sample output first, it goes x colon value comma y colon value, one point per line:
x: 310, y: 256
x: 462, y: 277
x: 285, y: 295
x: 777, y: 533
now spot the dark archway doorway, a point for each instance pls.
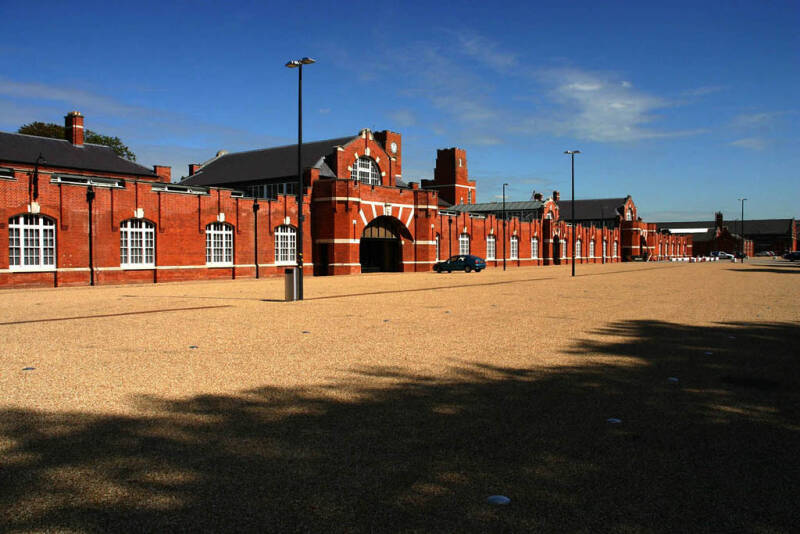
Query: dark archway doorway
x: 380, y: 250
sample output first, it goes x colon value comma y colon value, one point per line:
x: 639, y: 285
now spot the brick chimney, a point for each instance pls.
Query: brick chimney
x: 556, y: 196
x: 163, y: 172
x: 718, y: 221
x: 73, y: 128
x: 537, y: 196
x: 194, y: 167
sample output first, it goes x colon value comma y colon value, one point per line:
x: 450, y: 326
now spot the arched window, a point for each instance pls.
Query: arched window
x: 563, y: 248
x: 137, y: 244
x: 616, y: 249
x: 659, y: 249
x: 491, y: 247
x: 629, y: 214
x: 285, y: 245
x: 578, y: 248
x: 219, y: 244
x: 514, y: 247
x: 534, y: 248
x: 605, y: 248
x: 31, y: 243
x: 438, y: 246
x: 365, y: 170
x: 549, y: 215
x: 591, y: 248
x: 463, y: 244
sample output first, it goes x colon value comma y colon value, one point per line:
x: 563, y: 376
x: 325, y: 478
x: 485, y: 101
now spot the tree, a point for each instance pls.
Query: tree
x: 49, y: 129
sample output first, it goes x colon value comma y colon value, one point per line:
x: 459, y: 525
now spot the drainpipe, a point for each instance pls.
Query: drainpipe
x: 90, y: 201
x: 255, y: 232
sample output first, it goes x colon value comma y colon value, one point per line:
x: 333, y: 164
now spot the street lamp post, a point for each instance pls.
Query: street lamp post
x: 572, y: 216
x: 298, y: 63
x: 504, y: 226
x: 741, y: 226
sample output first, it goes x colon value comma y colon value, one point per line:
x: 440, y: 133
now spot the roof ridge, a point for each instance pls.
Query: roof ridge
x: 282, y: 146
x: 36, y: 136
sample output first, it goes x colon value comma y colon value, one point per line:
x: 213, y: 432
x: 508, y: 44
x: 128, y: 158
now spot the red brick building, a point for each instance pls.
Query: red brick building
x: 73, y: 213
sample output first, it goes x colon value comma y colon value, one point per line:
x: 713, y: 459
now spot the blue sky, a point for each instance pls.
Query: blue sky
x: 684, y: 106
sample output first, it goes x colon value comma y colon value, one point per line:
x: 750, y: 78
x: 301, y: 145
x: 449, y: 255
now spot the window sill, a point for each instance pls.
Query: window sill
x: 137, y: 267
x: 219, y: 265
x: 31, y: 269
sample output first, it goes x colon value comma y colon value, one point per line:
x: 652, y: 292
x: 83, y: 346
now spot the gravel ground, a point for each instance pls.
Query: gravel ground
x: 400, y: 402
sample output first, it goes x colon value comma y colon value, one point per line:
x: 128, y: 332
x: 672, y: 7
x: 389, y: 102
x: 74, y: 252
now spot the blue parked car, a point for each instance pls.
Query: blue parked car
x: 462, y: 262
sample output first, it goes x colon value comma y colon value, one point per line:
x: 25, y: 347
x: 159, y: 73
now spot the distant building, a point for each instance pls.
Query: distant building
x: 775, y: 235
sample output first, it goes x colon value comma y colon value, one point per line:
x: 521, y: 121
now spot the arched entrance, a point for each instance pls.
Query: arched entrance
x: 380, y: 249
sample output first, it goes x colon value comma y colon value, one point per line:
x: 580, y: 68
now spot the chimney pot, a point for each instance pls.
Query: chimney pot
x: 556, y: 196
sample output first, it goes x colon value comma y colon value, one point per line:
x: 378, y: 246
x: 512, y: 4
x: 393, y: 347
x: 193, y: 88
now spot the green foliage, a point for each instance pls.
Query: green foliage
x: 48, y: 129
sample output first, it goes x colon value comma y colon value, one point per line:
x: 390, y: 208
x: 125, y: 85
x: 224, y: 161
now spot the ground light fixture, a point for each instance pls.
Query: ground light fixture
x: 298, y: 63
x: 572, y: 216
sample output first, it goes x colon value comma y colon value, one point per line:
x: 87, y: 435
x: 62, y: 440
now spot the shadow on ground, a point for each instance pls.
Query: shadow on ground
x: 714, y: 451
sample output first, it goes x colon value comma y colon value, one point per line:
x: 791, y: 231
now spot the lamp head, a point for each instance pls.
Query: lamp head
x: 572, y: 152
x: 297, y: 62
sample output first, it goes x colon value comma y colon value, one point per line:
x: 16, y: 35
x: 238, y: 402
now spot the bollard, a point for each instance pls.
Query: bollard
x: 291, y: 284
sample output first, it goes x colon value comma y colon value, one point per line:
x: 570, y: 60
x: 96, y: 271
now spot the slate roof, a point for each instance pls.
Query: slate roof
x: 592, y: 209
x: 266, y: 163
x: 751, y: 227
x: 21, y: 148
x: 497, y: 207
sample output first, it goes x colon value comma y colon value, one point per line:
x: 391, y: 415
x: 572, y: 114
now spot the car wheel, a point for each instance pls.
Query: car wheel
x: 467, y: 269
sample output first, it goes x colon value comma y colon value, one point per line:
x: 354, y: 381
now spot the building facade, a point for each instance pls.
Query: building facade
x: 76, y: 214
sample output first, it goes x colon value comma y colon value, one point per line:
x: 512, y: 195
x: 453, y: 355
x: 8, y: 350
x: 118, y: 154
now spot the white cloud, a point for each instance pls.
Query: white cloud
x: 597, y: 107
x: 72, y: 98
x: 403, y: 117
x: 752, y: 143
x: 486, y: 51
x: 751, y: 120
x: 704, y: 90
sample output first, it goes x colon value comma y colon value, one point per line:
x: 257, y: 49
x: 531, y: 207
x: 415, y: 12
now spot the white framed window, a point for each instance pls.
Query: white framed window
x: 563, y: 246
x: 591, y: 248
x: 514, y: 247
x: 365, y: 170
x: 535, y: 248
x: 469, y: 196
x: 31, y: 243
x: 605, y: 248
x: 491, y: 248
x: 219, y: 244
x: 137, y: 244
x: 463, y: 244
x: 616, y: 249
x: 659, y: 249
x: 629, y: 214
x: 285, y: 245
x: 578, y: 248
